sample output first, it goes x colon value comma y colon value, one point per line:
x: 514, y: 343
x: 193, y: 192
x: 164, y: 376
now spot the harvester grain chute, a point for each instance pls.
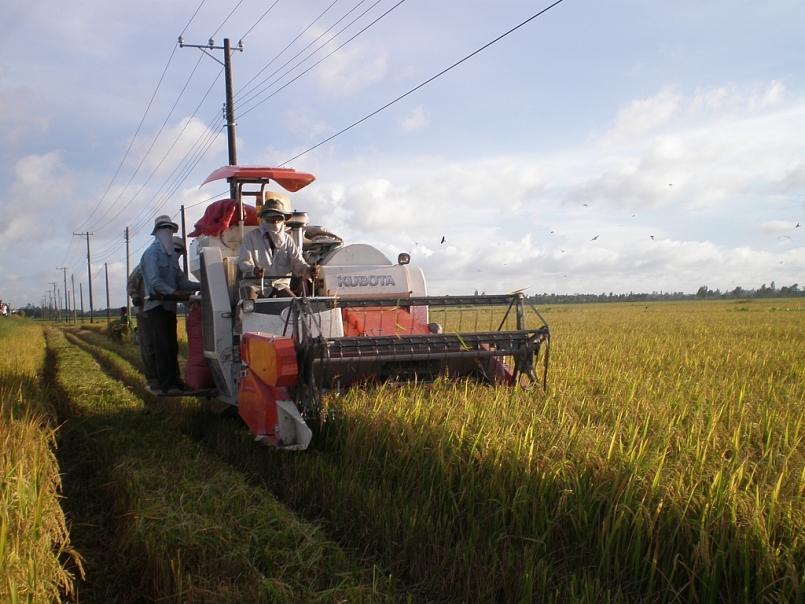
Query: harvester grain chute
x: 365, y: 320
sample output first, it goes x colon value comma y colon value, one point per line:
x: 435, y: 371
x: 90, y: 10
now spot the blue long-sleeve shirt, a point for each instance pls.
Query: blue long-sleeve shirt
x: 162, y: 275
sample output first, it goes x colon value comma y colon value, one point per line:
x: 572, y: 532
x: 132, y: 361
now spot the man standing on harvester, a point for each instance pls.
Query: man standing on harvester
x: 268, y: 252
x: 164, y: 286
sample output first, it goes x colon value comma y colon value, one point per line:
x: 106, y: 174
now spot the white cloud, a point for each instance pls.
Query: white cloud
x: 794, y: 178
x: 644, y: 115
x: 738, y: 147
x: 299, y: 122
x: 161, y: 152
x: 42, y: 185
x: 19, y: 122
x: 774, y: 95
x: 415, y: 120
x: 354, y: 67
x: 515, y: 221
x: 778, y: 227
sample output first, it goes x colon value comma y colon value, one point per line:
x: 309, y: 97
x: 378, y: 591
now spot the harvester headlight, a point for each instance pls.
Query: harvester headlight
x: 248, y: 306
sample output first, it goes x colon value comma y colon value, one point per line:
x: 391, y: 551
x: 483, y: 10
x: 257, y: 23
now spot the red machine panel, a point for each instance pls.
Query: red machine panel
x: 380, y: 322
x: 271, y: 358
x: 257, y: 405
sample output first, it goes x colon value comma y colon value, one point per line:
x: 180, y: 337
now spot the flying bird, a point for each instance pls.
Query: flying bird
x: 585, y: 205
x: 594, y: 238
x: 652, y: 236
x: 442, y: 238
x: 798, y: 225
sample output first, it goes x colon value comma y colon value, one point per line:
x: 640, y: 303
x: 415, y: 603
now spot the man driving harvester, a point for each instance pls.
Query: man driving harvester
x: 269, y: 256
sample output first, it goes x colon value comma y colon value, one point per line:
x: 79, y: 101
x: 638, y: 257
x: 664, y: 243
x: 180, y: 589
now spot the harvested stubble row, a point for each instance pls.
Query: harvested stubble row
x: 34, y: 542
x: 186, y: 526
x: 665, y: 464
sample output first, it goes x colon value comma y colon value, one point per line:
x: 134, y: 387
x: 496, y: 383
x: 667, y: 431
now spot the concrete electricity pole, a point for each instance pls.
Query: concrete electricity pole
x: 184, y: 244
x: 229, y: 107
x: 56, y: 300
x: 108, y: 304
x: 66, y: 298
x: 89, y: 276
x: 128, y: 269
x: 72, y: 281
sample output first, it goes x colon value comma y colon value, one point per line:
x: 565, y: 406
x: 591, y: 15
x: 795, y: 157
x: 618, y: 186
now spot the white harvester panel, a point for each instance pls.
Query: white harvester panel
x: 271, y: 316
x: 363, y: 271
x: 217, y: 324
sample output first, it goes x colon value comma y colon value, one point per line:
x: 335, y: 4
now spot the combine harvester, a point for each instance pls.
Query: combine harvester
x: 365, y: 320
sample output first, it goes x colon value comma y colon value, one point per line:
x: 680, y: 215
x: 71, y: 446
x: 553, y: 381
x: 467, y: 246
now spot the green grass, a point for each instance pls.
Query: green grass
x: 177, y: 524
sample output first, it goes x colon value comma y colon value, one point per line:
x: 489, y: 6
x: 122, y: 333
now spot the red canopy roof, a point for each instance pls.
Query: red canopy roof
x: 288, y: 178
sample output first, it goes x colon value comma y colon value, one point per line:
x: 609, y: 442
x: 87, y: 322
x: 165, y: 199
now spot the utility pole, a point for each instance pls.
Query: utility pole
x: 184, y: 243
x: 229, y: 107
x: 89, y: 274
x: 108, y: 309
x: 55, y: 299
x: 81, y: 294
x: 66, y: 299
x: 72, y: 280
x: 128, y: 270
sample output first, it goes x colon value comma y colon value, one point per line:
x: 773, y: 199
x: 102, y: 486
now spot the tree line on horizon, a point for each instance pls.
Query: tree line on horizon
x: 703, y: 293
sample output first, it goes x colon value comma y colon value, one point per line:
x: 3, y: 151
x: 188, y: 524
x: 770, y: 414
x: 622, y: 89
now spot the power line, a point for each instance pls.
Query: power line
x: 287, y: 46
x: 191, y: 19
x: 139, y: 126
x: 325, y: 57
x: 110, y: 247
x: 210, y: 136
x: 321, y: 47
x: 225, y: 20
x: 150, y: 148
x: 164, y: 157
x: 131, y: 143
x: 243, y: 37
x: 428, y: 81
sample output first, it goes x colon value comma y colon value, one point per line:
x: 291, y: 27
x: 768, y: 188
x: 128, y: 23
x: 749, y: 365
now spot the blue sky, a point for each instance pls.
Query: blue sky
x: 616, y: 145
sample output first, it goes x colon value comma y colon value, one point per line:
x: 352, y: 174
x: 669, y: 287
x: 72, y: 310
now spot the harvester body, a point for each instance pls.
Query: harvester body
x: 366, y: 320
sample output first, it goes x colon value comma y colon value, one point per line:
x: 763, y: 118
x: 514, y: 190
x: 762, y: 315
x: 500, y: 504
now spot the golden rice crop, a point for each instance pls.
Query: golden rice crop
x: 665, y: 463
x: 34, y: 542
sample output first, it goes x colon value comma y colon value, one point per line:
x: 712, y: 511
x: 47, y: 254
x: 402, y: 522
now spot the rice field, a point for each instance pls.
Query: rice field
x: 35, y: 546
x: 665, y: 463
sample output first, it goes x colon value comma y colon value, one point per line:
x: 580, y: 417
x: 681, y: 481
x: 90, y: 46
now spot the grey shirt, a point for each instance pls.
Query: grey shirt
x: 285, y: 259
